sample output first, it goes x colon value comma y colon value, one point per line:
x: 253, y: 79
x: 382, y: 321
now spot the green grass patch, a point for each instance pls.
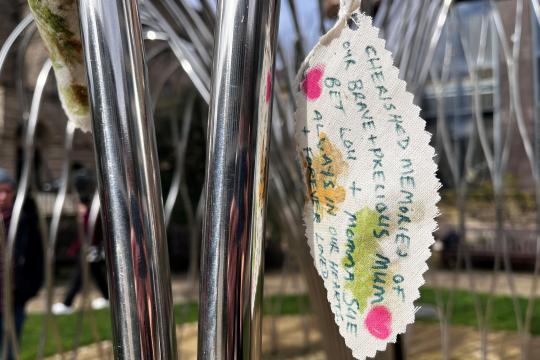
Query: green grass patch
x: 463, y: 313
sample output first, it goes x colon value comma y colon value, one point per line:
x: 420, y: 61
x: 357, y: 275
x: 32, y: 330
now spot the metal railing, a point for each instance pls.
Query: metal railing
x: 437, y: 55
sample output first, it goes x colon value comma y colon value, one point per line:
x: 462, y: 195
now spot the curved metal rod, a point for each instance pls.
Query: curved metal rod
x: 442, y: 129
x: 178, y: 186
x: 444, y: 307
x: 209, y: 14
x: 472, y: 66
x: 182, y: 19
x: 160, y: 82
x: 502, y: 146
x: 201, y: 31
x: 422, y: 42
x: 19, y: 66
x: 534, y: 286
x: 416, y: 22
x: 514, y: 88
x: 460, y: 180
x: 516, y: 106
x: 536, y: 9
x: 436, y: 34
x: 84, y: 269
x: 195, y: 234
x: 205, y: 30
x: 287, y: 144
x: 155, y: 51
x: 10, y: 41
x: 397, y: 14
x: 398, y: 29
x: 194, y: 221
x: 194, y: 230
x: 53, y: 234
x: 188, y: 60
x: 180, y: 146
x: 400, y: 37
x: 495, y: 170
x: 380, y: 17
x: 513, y: 70
x: 298, y: 32
x: 20, y: 199
x: 499, y: 200
x: 87, y: 235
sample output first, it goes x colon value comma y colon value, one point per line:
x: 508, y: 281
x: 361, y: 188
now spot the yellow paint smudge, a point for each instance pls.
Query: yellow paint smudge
x: 322, y: 174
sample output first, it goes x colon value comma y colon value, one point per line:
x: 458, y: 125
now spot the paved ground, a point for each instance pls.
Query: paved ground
x: 184, y: 289
x: 289, y: 344
x: 291, y: 341
x: 422, y: 342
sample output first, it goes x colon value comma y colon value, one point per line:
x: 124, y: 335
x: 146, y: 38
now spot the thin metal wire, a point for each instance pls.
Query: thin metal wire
x: 87, y: 235
x: 188, y: 59
x: 180, y: 145
x: 22, y: 192
x: 50, y: 250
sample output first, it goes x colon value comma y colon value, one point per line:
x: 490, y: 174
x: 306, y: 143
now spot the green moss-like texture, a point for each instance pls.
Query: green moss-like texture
x: 361, y: 256
x: 63, y: 43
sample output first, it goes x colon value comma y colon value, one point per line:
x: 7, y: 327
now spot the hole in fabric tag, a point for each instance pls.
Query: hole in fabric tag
x: 352, y: 21
x: 370, y: 184
x: 352, y: 24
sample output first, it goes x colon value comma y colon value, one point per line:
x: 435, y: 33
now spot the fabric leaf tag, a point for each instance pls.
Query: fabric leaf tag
x: 371, y: 189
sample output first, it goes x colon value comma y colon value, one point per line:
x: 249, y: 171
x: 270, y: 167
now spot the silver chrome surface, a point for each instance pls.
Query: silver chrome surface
x: 233, y: 230
x: 415, y: 31
x: 129, y: 181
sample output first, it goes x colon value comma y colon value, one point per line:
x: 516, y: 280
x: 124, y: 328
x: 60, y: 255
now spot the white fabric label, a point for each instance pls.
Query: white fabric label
x: 371, y: 189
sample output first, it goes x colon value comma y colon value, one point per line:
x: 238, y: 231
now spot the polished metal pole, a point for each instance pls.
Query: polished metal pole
x: 233, y: 232
x: 129, y: 181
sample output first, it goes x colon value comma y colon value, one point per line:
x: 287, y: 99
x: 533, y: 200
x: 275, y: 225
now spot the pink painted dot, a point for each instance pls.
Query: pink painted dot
x: 268, y: 86
x: 379, y: 322
x: 311, y: 86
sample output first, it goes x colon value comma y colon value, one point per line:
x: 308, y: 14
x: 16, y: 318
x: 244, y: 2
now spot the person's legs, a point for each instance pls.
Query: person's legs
x: 74, y: 288
x: 20, y: 317
x: 96, y: 268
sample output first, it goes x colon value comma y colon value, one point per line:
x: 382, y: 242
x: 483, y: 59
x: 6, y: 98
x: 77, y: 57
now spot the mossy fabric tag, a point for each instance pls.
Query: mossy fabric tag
x: 371, y: 189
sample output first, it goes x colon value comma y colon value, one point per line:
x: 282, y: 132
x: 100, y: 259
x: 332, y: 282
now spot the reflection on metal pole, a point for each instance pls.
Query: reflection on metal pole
x: 240, y: 113
x: 130, y: 191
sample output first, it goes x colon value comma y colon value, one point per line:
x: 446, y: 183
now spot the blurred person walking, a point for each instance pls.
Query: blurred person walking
x: 95, y: 255
x: 28, y: 253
